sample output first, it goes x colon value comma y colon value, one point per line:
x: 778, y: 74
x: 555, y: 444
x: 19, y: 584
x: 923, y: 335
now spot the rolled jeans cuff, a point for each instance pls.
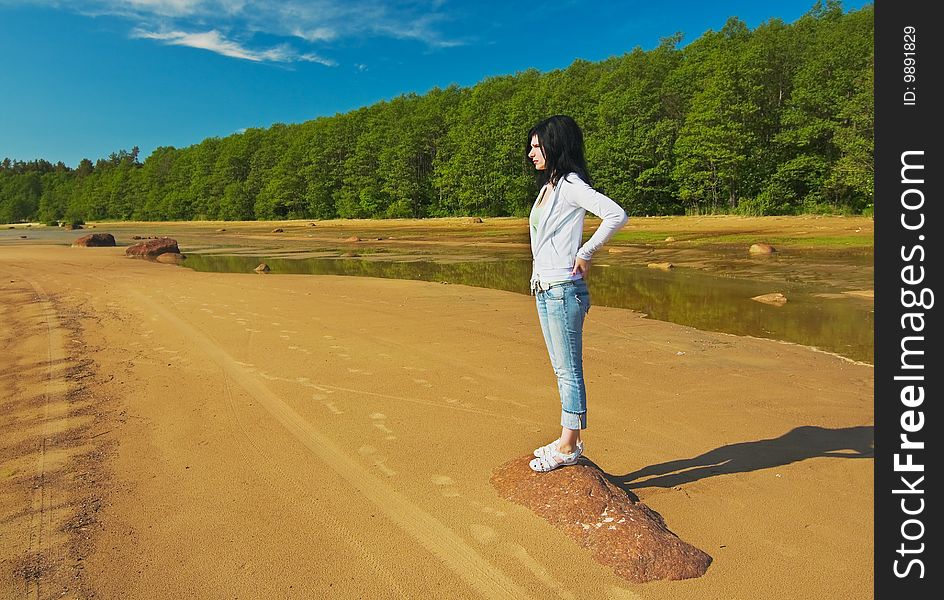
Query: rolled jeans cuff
x: 573, y: 420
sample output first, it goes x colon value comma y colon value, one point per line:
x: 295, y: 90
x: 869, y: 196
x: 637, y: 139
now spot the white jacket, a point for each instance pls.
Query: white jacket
x: 556, y: 243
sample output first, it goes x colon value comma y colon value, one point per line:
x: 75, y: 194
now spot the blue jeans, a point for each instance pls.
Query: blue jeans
x: 561, y: 310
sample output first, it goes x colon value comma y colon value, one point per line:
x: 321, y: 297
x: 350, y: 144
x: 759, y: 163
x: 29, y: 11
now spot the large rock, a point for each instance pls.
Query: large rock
x: 153, y: 248
x: 625, y: 535
x: 95, y: 240
x: 663, y: 266
x: 761, y: 249
x: 774, y: 299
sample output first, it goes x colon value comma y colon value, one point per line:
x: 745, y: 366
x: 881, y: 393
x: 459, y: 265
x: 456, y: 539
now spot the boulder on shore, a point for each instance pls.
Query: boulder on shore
x: 662, y: 266
x: 153, y: 248
x: 262, y: 268
x: 761, y: 249
x: 95, y: 240
x: 775, y: 299
x: 622, y: 533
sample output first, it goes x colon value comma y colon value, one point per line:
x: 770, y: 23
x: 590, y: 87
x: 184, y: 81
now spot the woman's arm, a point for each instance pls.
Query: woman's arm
x: 613, y: 215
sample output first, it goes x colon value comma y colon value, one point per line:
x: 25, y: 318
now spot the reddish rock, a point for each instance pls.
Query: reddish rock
x: 353, y: 238
x: 627, y: 536
x: 95, y: 240
x: 153, y: 248
x: 761, y: 249
x: 171, y: 258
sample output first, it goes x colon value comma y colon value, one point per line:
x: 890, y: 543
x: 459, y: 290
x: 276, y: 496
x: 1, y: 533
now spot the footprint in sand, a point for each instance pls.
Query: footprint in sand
x: 380, y: 463
x: 469, y: 379
x: 358, y: 371
x: 446, y: 486
x: 366, y: 450
x: 483, y: 534
x: 251, y: 330
x: 380, y: 423
x: 334, y: 409
x: 411, y: 368
x: 486, y: 509
x: 423, y: 383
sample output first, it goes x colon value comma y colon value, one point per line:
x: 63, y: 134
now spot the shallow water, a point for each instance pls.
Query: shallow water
x: 711, y: 289
x: 840, y: 324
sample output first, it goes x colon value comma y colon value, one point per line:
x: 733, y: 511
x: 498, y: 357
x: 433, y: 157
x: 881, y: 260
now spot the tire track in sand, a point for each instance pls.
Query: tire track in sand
x: 40, y: 522
x: 436, y: 537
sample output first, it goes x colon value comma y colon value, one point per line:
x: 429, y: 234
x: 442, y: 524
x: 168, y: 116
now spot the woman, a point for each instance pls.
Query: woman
x: 560, y: 267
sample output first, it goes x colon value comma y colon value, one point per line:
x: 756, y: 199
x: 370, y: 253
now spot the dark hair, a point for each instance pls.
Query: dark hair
x: 562, y: 145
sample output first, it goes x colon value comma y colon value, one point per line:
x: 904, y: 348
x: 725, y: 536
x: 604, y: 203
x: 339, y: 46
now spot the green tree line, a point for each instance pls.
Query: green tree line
x: 775, y: 120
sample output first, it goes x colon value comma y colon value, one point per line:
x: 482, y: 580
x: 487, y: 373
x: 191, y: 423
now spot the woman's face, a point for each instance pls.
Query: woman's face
x: 537, y: 155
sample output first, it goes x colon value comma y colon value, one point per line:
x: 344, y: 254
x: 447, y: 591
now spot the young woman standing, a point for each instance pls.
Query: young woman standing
x: 561, y: 263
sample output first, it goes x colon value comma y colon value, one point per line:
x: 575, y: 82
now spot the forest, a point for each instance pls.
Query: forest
x: 777, y: 120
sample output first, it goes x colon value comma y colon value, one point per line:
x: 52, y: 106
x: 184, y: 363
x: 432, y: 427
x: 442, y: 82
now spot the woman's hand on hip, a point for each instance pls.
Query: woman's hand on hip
x: 581, y: 267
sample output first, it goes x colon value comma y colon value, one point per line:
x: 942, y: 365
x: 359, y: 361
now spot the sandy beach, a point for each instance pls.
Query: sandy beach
x: 168, y: 433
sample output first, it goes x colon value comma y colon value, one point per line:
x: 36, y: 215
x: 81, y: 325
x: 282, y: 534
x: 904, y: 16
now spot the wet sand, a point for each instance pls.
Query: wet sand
x: 170, y: 433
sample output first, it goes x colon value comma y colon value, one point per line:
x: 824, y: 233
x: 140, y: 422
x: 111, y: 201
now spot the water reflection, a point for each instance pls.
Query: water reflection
x: 843, y: 325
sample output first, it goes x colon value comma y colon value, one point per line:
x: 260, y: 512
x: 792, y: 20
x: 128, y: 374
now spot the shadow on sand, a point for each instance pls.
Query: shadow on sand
x: 797, y: 444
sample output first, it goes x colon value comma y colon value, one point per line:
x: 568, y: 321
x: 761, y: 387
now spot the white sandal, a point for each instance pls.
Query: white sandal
x: 554, y: 459
x: 539, y: 452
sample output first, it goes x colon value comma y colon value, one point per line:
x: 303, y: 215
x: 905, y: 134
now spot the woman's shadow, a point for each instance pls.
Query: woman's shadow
x: 798, y: 444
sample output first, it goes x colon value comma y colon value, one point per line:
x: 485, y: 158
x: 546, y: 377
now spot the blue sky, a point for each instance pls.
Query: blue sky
x: 84, y: 79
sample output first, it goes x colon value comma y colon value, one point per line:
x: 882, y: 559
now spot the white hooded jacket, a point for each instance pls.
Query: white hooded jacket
x: 556, y: 243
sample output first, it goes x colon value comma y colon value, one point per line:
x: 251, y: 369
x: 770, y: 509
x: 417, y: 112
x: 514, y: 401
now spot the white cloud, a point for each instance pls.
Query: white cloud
x: 216, y: 42
x: 230, y: 27
x: 318, y: 34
